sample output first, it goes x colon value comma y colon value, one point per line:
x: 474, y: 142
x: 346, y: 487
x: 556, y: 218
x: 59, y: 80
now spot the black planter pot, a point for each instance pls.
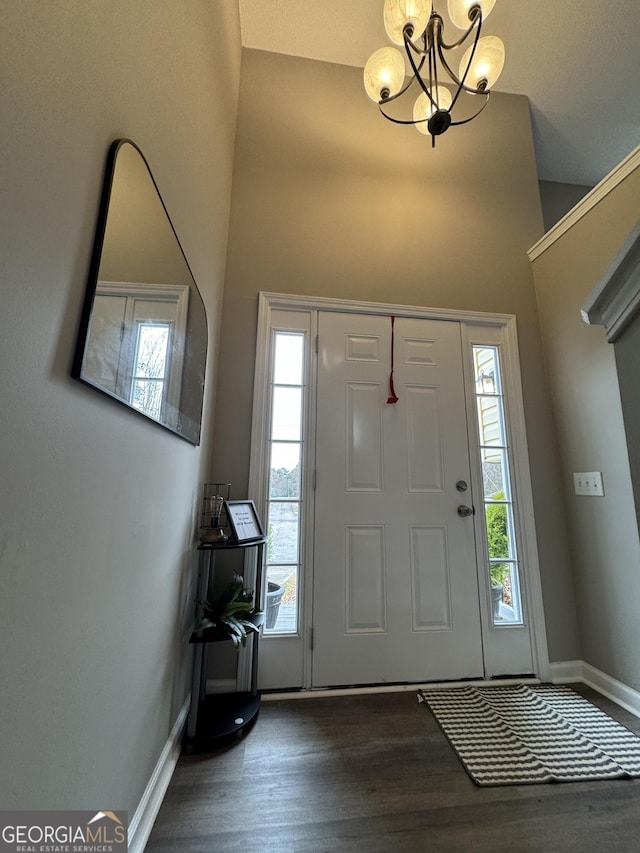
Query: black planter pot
x: 497, y: 593
x: 274, y: 597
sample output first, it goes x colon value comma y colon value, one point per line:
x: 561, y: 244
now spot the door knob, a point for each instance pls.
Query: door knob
x: 465, y: 511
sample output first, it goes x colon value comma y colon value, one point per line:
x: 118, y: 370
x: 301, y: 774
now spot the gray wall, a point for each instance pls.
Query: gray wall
x: 627, y: 352
x: 329, y: 199
x: 586, y: 400
x: 98, y: 507
x: 557, y: 200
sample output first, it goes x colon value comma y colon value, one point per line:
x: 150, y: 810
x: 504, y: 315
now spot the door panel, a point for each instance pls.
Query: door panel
x: 431, y: 588
x: 395, y: 581
x: 424, y: 451
x: 365, y: 604
x: 363, y: 438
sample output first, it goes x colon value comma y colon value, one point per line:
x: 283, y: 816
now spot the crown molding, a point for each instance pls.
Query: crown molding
x: 630, y: 163
x: 615, y: 300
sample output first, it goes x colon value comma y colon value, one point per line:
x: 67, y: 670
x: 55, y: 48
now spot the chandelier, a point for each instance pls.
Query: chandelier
x: 417, y: 26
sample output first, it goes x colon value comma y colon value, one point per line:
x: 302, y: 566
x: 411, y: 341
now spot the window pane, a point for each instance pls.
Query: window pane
x: 281, y: 606
x: 289, y: 359
x: 287, y: 408
x: 498, y: 530
x: 505, y: 595
x: 284, y: 477
x: 146, y: 396
x: 282, y: 532
x: 494, y: 470
x: 151, y: 353
x: 487, y: 375
x: 490, y: 425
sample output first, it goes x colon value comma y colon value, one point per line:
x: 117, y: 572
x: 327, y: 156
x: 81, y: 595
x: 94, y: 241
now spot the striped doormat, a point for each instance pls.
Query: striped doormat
x: 521, y: 735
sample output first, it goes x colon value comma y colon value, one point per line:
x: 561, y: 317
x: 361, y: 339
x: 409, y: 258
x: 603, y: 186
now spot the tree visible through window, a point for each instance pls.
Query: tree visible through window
x: 150, y: 368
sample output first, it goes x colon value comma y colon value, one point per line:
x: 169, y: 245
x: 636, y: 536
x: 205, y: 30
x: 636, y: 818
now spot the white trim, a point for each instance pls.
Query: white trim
x: 294, y: 648
x: 577, y: 670
x: 620, y: 693
x: 289, y: 302
x: 602, y: 189
x: 257, y: 486
x: 149, y: 805
x: 393, y: 688
x: 615, y: 300
x: 305, y: 625
x: 566, y: 672
x: 524, y: 506
x: 560, y: 672
x: 520, y: 647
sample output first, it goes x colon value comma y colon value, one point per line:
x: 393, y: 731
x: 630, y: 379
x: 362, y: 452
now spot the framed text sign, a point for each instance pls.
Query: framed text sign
x: 244, y: 521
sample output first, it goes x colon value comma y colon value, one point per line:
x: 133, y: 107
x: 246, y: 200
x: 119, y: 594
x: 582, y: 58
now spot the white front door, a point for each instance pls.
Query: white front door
x: 395, y: 594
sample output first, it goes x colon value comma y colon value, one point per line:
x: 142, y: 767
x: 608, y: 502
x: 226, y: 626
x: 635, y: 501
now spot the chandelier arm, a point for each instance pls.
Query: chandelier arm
x: 427, y: 40
x: 476, y: 114
x: 433, y: 70
x: 477, y: 19
x: 432, y: 66
x: 460, y: 83
x: 416, y: 69
x: 398, y: 120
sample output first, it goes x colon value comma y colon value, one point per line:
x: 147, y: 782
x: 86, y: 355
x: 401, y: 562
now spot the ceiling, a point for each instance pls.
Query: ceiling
x: 576, y: 60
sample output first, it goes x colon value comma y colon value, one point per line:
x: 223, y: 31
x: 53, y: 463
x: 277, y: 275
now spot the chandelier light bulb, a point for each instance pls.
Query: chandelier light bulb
x: 423, y: 109
x: 459, y: 11
x: 487, y: 64
x: 384, y: 74
x: 399, y: 13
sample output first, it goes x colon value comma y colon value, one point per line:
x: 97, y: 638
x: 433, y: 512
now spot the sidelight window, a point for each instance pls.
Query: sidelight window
x: 498, y: 508
x: 284, y: 502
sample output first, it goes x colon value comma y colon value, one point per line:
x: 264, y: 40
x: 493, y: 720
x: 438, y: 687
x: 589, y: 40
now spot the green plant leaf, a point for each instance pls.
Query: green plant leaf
x: 230, y: 611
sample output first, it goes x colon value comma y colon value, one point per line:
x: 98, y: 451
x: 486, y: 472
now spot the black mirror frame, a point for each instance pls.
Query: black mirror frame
x: 92, y: 283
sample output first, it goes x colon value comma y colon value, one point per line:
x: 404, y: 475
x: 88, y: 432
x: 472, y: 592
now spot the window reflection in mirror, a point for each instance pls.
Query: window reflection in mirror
x: 143, y: 338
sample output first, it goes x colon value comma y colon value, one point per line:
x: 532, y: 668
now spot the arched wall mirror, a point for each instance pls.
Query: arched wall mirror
x: 143, y: 334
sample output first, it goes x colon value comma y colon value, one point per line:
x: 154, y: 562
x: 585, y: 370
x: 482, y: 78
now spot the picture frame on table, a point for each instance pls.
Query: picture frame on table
x: 244, y: 521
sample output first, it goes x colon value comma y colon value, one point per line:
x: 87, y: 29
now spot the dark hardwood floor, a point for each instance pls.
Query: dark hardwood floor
x: 374, y: 773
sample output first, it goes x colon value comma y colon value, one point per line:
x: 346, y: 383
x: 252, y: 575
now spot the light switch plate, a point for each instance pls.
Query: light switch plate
x: 588, y: 483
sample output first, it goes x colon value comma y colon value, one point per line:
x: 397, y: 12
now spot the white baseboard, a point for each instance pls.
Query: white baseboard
x: 561, y: 672
x: 618, y: 692
x: 391, y: 688
x: 149, y: 806
x: 566, y: 672
x: 578, y: 670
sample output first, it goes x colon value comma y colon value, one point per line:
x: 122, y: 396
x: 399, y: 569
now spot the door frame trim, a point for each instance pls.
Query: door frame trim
x: 268, y: 302
x: 292, y: 302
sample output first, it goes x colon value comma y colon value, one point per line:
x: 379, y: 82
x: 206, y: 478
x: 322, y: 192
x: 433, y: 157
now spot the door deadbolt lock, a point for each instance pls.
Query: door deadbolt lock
x: 462, y: 486
x: 465, y: 511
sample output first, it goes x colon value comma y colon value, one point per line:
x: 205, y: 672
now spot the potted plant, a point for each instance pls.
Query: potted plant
x: 230, y: 614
